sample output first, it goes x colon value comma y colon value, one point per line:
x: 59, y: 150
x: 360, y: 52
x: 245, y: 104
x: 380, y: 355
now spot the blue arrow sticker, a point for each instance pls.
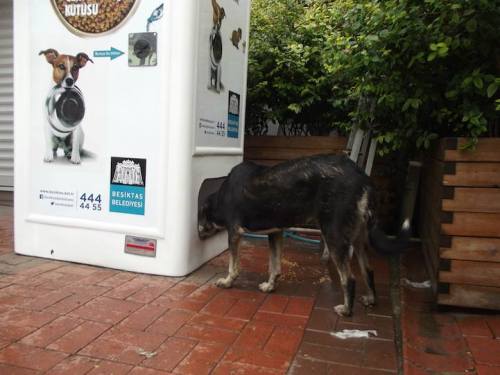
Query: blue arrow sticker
x: 113, y: 53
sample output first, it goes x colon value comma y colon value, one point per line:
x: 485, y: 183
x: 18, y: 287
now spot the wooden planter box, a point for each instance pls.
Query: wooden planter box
x: 460, y: 223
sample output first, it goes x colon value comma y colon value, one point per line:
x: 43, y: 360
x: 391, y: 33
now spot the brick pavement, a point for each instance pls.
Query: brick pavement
x: 441, y: 340
x: 64, y: 318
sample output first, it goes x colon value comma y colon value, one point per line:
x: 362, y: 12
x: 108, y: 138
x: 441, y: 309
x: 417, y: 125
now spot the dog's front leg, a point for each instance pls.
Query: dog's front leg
x: 234, y: 260
x: 275, y: 244
x: 76, y: 145
x: 50, y: 146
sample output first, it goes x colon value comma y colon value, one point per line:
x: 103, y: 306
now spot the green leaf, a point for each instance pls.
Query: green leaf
x: 492, y: 89
x: 471, y: 25
x: 478, y: 82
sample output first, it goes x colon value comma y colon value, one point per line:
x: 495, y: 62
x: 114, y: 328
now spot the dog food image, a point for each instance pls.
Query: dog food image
x: 93, y: 16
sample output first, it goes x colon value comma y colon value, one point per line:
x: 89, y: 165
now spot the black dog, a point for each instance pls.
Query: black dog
x: 328, y: 190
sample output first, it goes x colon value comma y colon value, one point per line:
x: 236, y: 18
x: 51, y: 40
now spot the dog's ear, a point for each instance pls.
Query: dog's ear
x: 50, y: 55
x: 82, y: 58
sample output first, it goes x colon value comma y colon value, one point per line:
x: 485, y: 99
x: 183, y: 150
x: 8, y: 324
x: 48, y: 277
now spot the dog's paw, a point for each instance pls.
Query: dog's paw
x: 224, y: 283
x: 266, y: 287
x: 367, y: 301
x: 342, y: 310
x: 75, y: 159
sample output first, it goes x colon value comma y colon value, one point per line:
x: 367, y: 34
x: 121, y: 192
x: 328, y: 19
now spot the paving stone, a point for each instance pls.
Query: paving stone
x: 205, y: 333
x: 202, y: 359
x: 51, y: 332
x: 485, y: 350
x: 106, y: 310
x: 220, y: 305
x: 233, y: 368
x: 74, y: 365
x: 299, y: 306
x: 143, y: 317
x: 260, y: 358
x: 302, y: 366
x: 218, y: 321
x: 147, y: 371
x: 107, y: 368
x: 79, y: 337
x: 243, y: 309
x: 281, y: 319
x: 123, y: 345
x: 255, y: 335
x: 274, y: 303
x: 170, y: 322
x: 170, y: 354
x: 14, y: 370
x: 30, y: 357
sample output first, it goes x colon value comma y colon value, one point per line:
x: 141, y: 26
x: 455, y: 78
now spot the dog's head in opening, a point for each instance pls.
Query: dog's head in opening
x: 66, y: 68
x: 206, y: 218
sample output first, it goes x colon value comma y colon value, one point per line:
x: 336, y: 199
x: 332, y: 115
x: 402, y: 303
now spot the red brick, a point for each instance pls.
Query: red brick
x: 326, y: 339
x: 143, y: 317
x: 30, y: 357
x: 202, y: 359
x: 181, y: 290
x: 13, y: 370
x: 243, y: 294
x: 106, y: 310
x: 11, y: 333
x: 147, y: 371
x: 494, y: 324
x: 281, y: 319
x: 182, y: 304
x: 485, y: 351
x: 438, y: 362
x: 170, y: 322
x: 127, y: 289
x: 474, y: 326
x: 299, y: 306
x: 79, y: 337
x: 149, y: 293
x: 243, y: 309
x: 303, y: 366
x: 210, y: 334
x: 123, y: 345
x: 322, y: 320
x: 170, y: 354
x: 380, y: 355
x: 107, y: 368
x: 330, y: 354
x: 261, y: 358
x: 22, y: 318
x: 205, y: 293
x: 284, y: 340
x: 218, y: 321
x: 219, y: 305
x: 487, y: 370
x: 68, y: 304
x: 233, y: 368
x: 81, y: 270
x: 255, y: 335
x: 74, y: 365
x: 116, y: 280
x: 274, y: 303
x: 51, y: 332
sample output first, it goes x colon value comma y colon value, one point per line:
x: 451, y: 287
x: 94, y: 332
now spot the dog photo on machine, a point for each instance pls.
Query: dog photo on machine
x: 64, y: 107
x: 330, y: 191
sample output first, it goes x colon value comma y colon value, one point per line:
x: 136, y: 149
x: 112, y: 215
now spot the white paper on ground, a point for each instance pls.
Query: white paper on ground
x: 414, y: 284
x: 354, y: 333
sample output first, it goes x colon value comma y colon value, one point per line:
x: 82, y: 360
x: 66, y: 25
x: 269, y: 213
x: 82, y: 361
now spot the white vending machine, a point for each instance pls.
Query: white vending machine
x: 127, y: 112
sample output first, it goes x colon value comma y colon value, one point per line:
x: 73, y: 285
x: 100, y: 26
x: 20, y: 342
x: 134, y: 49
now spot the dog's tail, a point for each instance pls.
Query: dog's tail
x: 386, y: 245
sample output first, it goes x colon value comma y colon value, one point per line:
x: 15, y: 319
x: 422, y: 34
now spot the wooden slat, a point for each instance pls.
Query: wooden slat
x: 473, y: 200
x: 471, y: 296
x: 472, y: 273
x: 473, y: 224
x: 474, y: 175
x: 473, y: 248
x: 486, y: 150
x: 314, y: 142
x: 281, y: 153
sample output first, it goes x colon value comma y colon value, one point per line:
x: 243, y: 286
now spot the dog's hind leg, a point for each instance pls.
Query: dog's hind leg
x: 234, y: 261
x: 341, y: 253
x: 366, y: 271
x: 275, y: 246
